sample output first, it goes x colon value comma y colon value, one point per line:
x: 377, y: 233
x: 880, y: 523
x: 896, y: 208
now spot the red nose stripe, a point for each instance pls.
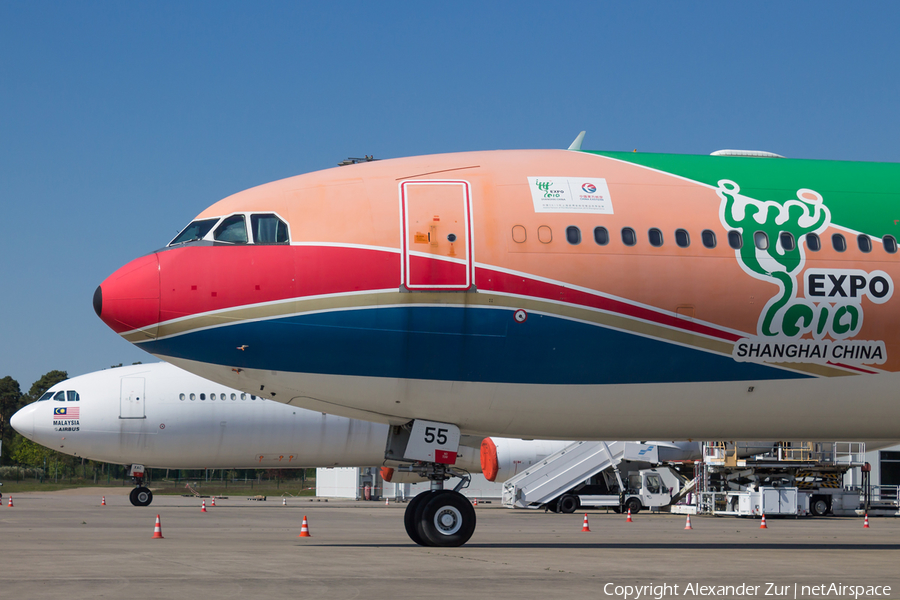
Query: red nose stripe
x: 131, y: 296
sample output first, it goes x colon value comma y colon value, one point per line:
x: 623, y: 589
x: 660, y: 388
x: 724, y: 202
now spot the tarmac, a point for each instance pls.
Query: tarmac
x: 66, y: 545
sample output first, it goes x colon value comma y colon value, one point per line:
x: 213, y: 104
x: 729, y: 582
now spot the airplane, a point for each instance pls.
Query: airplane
x: 160, y: 416
x: 557, y: 294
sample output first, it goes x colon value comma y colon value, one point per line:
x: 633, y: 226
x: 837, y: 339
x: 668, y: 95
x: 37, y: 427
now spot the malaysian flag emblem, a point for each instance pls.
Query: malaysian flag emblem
x: 65, y: 412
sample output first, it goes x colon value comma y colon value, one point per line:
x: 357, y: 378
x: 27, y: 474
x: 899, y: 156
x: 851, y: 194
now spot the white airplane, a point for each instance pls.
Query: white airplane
x: 160, y: 416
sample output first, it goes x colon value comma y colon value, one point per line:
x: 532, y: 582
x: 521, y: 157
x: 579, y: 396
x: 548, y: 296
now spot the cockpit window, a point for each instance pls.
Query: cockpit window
x: 195, y: 231
x: 232, y: 230
x: 72, y: 396
x: 46, y: 396
x: 59, y: 397
x: 269, y: 229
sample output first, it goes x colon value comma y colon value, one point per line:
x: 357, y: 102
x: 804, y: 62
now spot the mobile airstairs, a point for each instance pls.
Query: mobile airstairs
x: 569, y: 467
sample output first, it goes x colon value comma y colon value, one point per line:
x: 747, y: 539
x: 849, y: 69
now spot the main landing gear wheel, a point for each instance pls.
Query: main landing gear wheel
x: 141, y: 496
x: 409, y: 517
x: 446, y: 518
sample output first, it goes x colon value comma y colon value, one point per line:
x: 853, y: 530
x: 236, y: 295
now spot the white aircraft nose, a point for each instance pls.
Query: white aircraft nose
x: 23, y: 421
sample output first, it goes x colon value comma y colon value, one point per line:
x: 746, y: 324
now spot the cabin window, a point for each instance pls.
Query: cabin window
x: 656, y: 237
x: 212, y: 396
x: 203, y: 396
x: 545, y: 234
x: 196, y: 230
x: 709, y: 238
x: 787, y: 240
x: 629, y: 237
x: 864, y: 242
x: 735, y: 240
x: 181, y: 396
x: 890, y: 244
x: 761, y: 240
x: 682, y: 239
x: 233, y: 396
x: 252, y: 397
x: 519, y: 234
x: 573, y: 235
x: 193, y: 397
x: 233, y: 230
x: 838, y: 242
x: 813, y: 242
x: 243, y: 396
x: 601, y: 236
x: 269, y: 229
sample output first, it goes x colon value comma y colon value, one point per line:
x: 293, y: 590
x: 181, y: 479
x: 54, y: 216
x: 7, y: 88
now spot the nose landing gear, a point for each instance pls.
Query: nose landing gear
x: 139, y: 496
x: 440, y: 517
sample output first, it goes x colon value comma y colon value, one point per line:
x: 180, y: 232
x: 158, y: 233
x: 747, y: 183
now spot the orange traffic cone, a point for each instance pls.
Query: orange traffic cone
x: 585, y: 527
x: 688, y: 524
x: 387, y: 502
x: 628, y: 520
x: 10, y: 502
x: 475, y: 503
x: 214, y: 501
x: 157, y: 531
x: 763, y: 524
x: 103, y: 501
x: 866, y: 523
x: 203, y: 507
x: 304, y: 528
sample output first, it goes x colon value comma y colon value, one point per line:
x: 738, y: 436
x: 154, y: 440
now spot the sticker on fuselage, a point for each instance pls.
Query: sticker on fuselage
x: 66, y: 418
x: 820, y: 326
x: 570, y: 195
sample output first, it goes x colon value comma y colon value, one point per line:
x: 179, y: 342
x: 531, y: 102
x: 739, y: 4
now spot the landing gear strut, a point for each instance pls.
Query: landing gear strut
x: 139, y: 496
x: 439, y: 517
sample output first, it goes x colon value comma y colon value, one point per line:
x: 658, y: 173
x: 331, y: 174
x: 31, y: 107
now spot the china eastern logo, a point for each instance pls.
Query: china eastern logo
x: 589, y: 188
x: 818, y: 327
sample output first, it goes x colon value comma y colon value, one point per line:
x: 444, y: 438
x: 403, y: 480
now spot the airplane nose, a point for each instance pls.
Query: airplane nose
x: 23, y: 421
x: 128, y: 301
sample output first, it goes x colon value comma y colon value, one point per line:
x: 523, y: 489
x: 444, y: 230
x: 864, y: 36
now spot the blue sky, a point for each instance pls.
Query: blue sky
x: 120, y: 121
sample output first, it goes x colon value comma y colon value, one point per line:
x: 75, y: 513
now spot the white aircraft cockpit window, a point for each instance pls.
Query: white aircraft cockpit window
x: 735, y: 240
x: 196, y: 230
x: 59, y: 397
x: 233, y: 230
x: 761, y: 239
x: 46, y: 396
x: 864, y: 242
x: 890, y: 244
x: 72, y: 396
x: 682, y: 238
x: 709, y: 238
x: 813, y: 242
x: 181, y: 396
x: 269, y: 229
x: 656, y: 237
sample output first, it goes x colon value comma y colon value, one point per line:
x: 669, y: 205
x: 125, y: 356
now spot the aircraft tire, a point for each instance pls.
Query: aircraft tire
x: 409, y: 517
x: 141, y: 496
x: 447, y: 519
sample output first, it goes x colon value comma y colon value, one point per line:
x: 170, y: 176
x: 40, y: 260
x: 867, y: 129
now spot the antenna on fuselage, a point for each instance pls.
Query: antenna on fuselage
x: 576, y: 145
x: 354, y: 161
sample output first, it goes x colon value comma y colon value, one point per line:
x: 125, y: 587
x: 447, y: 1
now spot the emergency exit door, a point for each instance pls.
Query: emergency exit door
x: 437, y: 235
x: 131, y: 400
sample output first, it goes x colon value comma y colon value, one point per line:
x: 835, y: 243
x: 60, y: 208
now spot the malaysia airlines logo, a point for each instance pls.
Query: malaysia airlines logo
x: 66, y: 418
x: 66, y: 412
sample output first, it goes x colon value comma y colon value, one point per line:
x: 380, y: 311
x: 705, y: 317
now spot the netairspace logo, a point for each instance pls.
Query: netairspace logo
x: 794, y: 591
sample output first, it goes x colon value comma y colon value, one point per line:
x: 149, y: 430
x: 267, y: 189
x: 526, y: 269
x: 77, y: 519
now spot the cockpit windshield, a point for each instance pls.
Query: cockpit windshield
x: 195, y: 231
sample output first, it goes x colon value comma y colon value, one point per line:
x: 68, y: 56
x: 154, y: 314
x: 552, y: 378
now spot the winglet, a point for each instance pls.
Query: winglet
x: 576, y: 145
